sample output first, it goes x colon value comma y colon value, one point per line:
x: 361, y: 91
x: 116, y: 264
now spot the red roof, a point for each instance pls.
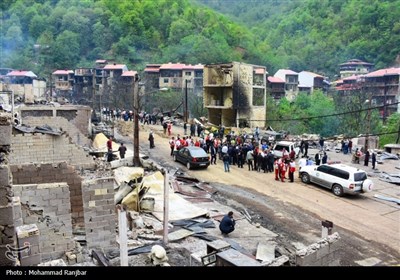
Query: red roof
x: 272, y: 79
x: 384, y: 72
x: 172, y: 66
x: 22, y: 73
x: 115, y: 67
x: 353, y: 77
x: 129, y: 74
x: 259, y: 70
x: 152, y: 69
x: 63, y: 72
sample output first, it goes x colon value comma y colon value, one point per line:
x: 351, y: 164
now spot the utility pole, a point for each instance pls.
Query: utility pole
x: 366, y: 146
x: 186, y: 102
x: 135, y: 87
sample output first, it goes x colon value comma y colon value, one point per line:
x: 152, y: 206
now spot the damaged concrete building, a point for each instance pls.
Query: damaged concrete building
x: 44, y: 195
x: 235, y: 94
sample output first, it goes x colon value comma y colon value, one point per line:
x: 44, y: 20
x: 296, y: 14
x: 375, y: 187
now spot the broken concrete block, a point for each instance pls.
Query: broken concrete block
x: 5, y: 135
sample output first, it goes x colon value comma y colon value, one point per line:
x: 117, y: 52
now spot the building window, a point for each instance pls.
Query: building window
x: 166, y: 81
x: 188, y: 73
x: 258, y: 97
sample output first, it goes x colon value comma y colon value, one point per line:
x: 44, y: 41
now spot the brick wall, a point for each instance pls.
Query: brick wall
x: 46, y: 148
x: 62, y: 123
x: 53, y: 173
x: 77, y: 115
x: 325, y: 252
x: 100, y: 215
x: 48, y: 206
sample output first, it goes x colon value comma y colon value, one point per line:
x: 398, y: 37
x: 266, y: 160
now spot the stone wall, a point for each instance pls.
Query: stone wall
x: 100, y: 215
x: 47, y: 148
x: 7, y: 227
x: 48, y: 206
x: 325, y: 252
x: 53, y: 173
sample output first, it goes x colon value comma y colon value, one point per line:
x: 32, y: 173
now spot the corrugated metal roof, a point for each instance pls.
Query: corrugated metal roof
x: 63, y: 72
x: 22, y: 73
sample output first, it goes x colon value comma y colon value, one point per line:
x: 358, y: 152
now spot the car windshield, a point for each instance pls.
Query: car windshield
x: 198, y: 153
x: 360, y: 176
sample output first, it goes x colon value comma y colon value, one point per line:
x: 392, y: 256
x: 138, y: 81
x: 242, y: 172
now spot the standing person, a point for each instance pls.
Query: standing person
x: 172, y: 145
x: 373, y: 159
x: 169, y: 127
x: 305, y: 149
x: 151, y: 140
x: 185, y: 128
x: 324, y: 158
x: 366, y: 158
x: 122, y: 150
x: 227, y: 224
x: 321, y: 144
x: 317, y: 159
x: 109, y: 149
x: 226, y: 159
x: 350, y: 145
x: 249, y: 159
x: 292, y: 169
x: 109, y: 143
x: 192, y: 129
x: 213, y: 152
x: 165, y: 126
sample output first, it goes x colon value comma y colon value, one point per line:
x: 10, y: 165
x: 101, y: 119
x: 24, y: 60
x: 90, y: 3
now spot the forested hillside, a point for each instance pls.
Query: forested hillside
x: 319, y: 34
x: 315, y: 35
x: 50, y: 34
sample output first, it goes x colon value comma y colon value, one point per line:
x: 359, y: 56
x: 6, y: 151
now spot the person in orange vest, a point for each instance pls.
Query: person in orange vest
x: 276, y: 165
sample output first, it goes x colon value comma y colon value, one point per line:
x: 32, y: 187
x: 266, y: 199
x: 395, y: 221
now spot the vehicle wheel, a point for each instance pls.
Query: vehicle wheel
x: 175, y: 158
x: 337, y: 190
x: 188, y: 165
x: 305, y: 178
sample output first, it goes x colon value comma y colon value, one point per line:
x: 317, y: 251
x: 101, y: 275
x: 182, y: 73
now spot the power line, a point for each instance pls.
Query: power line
x: 331, y: 115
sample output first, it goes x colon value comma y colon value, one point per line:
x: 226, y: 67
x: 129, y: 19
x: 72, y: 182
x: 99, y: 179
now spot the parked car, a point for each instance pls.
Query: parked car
x: 339, y: 178
x: 288, y: 145
x: 192, y: 157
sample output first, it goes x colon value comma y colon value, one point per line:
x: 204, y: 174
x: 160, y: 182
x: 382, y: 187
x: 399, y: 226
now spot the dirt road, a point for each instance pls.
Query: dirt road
x: 370, y: 229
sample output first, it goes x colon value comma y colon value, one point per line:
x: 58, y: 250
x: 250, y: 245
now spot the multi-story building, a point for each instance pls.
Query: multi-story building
x: 291, y: 79
x: 384, y: 87
x: 276, y: 88
x: 309, y: 81
x: 63, y: 82
x: 354, y: 67
x: 25, y: 85
x: 235, y: 94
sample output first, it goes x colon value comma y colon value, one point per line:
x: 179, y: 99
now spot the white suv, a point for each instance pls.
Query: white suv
x: 288, y: 146
x: 339, y: 178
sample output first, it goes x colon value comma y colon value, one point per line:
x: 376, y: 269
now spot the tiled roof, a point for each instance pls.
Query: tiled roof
x: 275, y: 80
x: 129, y: 74
x: 384, y: 72
x: 115, y: 67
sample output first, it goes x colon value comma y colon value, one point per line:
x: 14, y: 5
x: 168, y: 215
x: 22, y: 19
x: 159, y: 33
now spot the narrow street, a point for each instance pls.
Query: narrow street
x: 369, y: 228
